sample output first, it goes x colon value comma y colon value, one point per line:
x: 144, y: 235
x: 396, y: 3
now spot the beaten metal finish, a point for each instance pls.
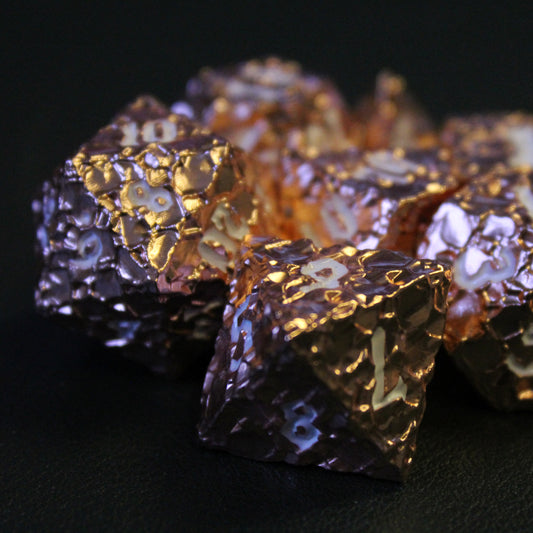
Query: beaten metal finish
x: 138, y: 232
x: 375, y: 199
x: 484, y: 231
x: 324, y: 357
x: 267, y: 107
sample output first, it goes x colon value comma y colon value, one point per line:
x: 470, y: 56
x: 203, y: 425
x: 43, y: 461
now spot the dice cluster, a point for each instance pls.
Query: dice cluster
x: 318, y: 256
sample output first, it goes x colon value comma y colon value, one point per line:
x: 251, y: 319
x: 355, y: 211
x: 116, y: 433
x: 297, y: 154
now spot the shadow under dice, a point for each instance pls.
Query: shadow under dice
x: 484, y: 231
x: 138, y: 232
x: 324, y: 357
x: 381, y: 199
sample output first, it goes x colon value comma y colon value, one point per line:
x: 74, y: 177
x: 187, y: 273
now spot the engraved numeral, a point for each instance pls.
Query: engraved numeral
x: 298, y: 427
x: 504, y: 268
x: 521, y: 370
x: 160, y: 130
x: 90, y: 249
x: 379, y: 399
x: 325, y: 271
x: 524, y: 194
x: 222, y: 233
x: 339, y: 219
x: 155, y: 199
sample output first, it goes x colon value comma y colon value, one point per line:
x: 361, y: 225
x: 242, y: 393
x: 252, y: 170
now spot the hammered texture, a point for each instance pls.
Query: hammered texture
x: 138, y: 232
x: 267, y: 107
x: 324, y: 357
x: 485, y: 232
x: 375, y: 199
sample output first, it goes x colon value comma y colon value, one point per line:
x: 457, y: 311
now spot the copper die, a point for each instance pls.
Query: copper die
x: 266, y: 106
x: 485, y: 232
x: 138, y: 233
x: 380, y: 199
x: 324, y: 357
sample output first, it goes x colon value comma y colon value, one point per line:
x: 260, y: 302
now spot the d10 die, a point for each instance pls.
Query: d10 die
x: 485, y: 232
x: 373, y: 199
x: 324, y: 357
x: 138, y: 232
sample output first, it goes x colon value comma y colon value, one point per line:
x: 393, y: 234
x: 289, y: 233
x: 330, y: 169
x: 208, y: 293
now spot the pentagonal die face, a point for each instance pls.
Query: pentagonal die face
x: 324, y: 357
x: 484, y: 231
x: 138, y: 233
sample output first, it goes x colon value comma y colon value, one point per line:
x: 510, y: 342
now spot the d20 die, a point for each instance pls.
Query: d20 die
x: 266, y: 107
x: 137, y: 234
x: 324, y: 357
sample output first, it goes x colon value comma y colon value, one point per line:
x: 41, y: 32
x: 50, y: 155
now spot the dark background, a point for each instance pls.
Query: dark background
x: 91, y: 442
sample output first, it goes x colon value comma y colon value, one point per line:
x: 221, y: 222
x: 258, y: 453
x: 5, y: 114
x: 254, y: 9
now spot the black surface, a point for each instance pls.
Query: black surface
x: 91, y: 442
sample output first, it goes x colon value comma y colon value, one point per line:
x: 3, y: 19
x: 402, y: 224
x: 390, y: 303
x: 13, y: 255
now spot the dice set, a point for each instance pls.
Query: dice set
x: 329, y: 252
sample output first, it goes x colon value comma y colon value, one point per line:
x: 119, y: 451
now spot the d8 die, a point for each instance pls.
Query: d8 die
x: 324, y: 357
x: 138, y: 231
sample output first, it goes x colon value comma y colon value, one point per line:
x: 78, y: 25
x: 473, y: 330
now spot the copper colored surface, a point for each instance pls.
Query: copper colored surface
x: 380, y: 199
x: 324, y: 357
x: 484, y: 231
x: 479, y: 142
x: 391, y: 118
x: 267, y: 107
x: 138, y: 232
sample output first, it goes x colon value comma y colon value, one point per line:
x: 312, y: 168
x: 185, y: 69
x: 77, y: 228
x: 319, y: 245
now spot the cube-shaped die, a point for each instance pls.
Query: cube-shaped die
x: 485, y: 232
x: 324, y: 357
x: 137, y: 234
x: 376, y: 199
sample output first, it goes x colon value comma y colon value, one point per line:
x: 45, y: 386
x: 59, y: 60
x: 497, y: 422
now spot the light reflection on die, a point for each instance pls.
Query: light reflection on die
x: 324, y: 356
x: 484, y: 232
x: 374, y: 199
x: 138, y: 233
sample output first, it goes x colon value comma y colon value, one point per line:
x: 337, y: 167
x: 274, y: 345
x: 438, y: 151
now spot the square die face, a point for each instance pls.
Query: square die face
x: 324, y: 357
